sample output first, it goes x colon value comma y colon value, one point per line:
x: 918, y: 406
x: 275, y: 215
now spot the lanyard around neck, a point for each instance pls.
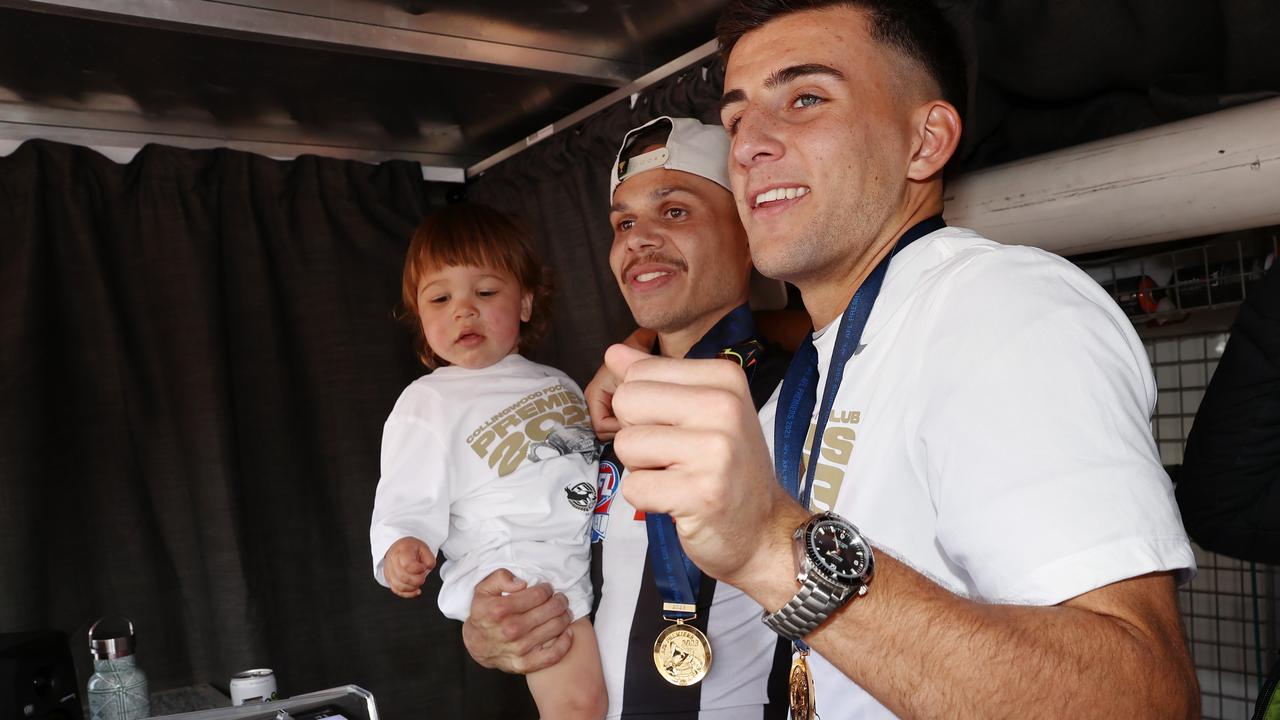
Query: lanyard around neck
x: 798, y: 397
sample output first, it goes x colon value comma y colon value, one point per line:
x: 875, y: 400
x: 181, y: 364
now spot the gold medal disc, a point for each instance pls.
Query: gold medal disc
x: 682, y: 654
x: 800, y: 689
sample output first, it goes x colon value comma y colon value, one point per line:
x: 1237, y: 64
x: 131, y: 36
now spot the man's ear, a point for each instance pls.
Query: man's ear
x: 937, y: 127
x: 526, y: 307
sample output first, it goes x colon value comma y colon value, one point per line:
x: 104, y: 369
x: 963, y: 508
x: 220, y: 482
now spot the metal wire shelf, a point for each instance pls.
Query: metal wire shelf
x: 1164, y: 287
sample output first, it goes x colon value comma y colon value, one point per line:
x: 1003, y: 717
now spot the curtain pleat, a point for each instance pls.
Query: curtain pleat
x: 197, y: 353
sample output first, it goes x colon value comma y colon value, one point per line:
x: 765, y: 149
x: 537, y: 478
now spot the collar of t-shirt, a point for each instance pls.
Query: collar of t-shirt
x: 737, y: 325
x: 887, y: 298
x: 506, y: 364
x: 733, y: 328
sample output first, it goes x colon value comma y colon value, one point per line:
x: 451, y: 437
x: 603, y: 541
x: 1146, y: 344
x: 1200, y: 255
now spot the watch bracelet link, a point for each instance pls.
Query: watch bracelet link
x: 806, y: 610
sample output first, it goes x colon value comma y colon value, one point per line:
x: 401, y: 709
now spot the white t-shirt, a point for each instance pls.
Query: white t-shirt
x: 497, y: 468
x: 993, y: 432
x: 743, y: 649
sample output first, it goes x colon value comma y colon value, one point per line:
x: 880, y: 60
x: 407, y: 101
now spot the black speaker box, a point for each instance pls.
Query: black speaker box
x: 37, y: 677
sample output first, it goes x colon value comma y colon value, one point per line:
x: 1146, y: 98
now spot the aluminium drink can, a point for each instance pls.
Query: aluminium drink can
x: 253, y: 686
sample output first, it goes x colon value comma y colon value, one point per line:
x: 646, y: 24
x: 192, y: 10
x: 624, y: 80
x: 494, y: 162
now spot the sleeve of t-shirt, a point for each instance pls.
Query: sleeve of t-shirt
x: 413, y: 493
x: 1036, y: 429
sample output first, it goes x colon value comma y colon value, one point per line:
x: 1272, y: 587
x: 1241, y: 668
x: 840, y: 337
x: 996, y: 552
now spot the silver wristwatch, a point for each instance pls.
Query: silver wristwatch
x: 834, y: 563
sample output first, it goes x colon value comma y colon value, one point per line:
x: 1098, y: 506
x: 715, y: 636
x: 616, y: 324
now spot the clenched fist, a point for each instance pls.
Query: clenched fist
x: 406, y: 566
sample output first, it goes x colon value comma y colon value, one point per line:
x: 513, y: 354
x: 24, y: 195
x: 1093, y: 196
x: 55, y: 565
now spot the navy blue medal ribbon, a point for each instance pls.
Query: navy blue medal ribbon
x: 677, y: 578
x: 799, y: 386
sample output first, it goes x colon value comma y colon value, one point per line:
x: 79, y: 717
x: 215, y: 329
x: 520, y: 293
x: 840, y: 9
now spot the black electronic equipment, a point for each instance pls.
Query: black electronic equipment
x: 37, y: 677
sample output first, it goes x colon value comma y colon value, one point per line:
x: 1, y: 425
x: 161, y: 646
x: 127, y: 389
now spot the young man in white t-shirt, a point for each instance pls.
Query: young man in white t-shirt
x: 1006, y: 542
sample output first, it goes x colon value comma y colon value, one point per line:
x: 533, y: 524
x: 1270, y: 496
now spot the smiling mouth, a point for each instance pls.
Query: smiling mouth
x: 652, y: 268
x: 779, y: 194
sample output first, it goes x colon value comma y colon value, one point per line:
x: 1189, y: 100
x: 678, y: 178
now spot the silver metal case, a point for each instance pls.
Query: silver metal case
x: 808, y: 564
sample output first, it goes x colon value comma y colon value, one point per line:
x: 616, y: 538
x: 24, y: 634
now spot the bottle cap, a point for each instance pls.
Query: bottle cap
x: 111, y: 648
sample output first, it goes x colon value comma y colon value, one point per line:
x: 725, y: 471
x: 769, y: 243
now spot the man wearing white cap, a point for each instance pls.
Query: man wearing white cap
x: 673, y: 643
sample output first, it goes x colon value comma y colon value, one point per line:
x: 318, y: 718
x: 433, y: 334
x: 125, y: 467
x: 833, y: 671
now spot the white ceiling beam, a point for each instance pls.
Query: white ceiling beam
x: 1205, y: 175
x: 272, y: 25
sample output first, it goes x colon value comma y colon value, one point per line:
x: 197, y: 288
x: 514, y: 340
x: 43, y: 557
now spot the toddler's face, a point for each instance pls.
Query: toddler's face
x: 471, y: 315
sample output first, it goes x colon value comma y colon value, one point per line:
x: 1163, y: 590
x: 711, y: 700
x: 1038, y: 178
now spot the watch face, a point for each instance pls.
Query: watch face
x: 839, y: 553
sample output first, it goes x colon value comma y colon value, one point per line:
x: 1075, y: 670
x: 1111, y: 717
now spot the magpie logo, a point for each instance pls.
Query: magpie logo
x: 582, y: 496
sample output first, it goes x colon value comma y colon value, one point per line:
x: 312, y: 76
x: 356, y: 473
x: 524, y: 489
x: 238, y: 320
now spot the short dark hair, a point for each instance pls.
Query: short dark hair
x: 470, y: 234
x: 915, y: 28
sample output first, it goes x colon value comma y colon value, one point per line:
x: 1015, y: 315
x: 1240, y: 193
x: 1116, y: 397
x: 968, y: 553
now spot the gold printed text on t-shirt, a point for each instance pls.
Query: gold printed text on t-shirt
x: 833, y: 459
x: 530, y: 428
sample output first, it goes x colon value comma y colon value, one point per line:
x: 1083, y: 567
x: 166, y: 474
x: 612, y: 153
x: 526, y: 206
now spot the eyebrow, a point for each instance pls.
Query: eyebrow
x: 656, y: 194
x: 782, y: 77
x: 432, y: 282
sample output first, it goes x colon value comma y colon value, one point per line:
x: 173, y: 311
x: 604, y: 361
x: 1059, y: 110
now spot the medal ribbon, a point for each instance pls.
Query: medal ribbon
x: 799, y: 386
x: 677, y: 578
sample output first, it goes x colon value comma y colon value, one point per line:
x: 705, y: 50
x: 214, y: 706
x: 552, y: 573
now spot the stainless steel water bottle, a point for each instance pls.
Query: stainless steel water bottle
x: 118, y: 687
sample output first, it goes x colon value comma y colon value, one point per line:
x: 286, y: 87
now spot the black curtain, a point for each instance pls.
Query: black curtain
x: 197, y: 352
x: 560, y: 187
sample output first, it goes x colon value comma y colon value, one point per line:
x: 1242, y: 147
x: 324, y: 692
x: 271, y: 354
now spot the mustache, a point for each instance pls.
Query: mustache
x: 657, y: 258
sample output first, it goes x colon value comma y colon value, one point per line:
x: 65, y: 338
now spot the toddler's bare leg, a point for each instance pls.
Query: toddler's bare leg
x: 573, y: 687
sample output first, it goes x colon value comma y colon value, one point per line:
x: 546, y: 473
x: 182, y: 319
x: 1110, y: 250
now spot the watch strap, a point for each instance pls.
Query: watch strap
x: 805, y: 611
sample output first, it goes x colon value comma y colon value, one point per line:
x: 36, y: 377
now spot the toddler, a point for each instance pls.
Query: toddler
x: 490, y: 458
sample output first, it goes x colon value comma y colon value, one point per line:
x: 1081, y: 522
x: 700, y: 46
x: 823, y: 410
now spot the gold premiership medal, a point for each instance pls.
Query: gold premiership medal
x: 682, y: 654
x: 800, y: 688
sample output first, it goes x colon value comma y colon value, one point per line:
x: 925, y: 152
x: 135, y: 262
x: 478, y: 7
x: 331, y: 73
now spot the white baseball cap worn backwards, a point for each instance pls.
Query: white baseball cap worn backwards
x: 691, y: 147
